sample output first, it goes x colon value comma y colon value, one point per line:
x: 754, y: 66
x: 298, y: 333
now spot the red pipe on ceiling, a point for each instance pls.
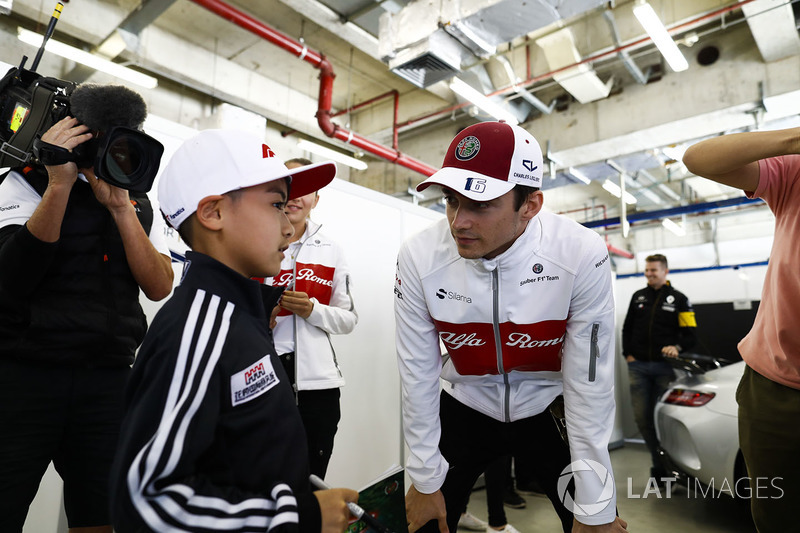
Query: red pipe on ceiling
x: 326, y: 77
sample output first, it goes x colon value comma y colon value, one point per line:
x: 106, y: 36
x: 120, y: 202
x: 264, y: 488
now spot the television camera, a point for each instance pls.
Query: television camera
x: 30, y: 104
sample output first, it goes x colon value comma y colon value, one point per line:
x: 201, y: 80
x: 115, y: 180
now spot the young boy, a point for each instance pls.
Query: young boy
x: 211, y: 439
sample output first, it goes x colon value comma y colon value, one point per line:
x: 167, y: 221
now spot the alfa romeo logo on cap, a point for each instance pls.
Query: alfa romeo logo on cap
x: 468, y: 148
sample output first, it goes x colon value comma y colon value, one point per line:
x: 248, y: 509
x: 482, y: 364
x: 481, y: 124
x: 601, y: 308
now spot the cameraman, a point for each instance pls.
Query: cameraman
x: 74, y: 251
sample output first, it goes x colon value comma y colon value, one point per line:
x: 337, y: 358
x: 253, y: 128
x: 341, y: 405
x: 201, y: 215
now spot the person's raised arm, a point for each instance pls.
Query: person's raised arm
x: 733, y: 159
x: 45, y: 222
x: 151, y: 269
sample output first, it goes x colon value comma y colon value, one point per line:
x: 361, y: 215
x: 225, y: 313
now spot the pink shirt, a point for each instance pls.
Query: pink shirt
x: 772, y: 347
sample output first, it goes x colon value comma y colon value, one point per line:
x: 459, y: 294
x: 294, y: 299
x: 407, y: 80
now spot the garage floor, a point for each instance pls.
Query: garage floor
x: 688, y: 511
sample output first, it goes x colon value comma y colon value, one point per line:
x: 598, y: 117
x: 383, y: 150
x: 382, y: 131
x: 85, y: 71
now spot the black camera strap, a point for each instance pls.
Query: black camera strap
x: 50, y: 154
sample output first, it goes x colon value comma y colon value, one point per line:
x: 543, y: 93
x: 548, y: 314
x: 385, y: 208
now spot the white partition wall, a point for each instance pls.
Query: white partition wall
x: 370, y: 226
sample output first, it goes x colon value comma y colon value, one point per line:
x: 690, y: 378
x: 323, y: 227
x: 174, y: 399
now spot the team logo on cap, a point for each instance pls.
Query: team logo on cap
x: 529, y: 165
x: 468, y: 148
x: 266, y: 152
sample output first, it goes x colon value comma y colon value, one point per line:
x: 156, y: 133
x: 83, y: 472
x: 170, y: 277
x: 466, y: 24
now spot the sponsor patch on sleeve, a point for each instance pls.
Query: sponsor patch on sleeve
x: 253, y: 381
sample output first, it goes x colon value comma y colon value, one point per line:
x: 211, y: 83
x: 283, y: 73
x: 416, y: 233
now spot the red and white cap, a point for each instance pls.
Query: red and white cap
x: 486, y: 160
x: 219, y: 161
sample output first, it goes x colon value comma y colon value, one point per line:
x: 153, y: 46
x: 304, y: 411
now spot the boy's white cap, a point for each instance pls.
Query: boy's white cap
x: 219, y: 161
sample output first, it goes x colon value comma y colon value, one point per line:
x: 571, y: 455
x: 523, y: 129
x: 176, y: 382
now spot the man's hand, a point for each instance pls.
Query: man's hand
x: 617, y: 526
x: 670, y: 351
x: 422, y: 508
x: 45, y: 222
x: 113, y: 198
x: 630, y: 358
x: 66, y: 133
x: 297, y: 302
x: 333, y: 508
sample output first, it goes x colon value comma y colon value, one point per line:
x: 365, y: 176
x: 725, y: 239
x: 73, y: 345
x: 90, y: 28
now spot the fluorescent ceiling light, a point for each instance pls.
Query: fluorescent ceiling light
x: 614, y: 189
x: 650, y: 195
x: 677, y: 229
x: 658, y: 33
x: 462, y: 89
x: 578, y: 175
x: 314, y: 148
x: 90, y: 60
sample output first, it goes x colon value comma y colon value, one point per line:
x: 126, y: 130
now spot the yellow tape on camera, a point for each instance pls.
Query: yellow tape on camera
x: 20, y: 112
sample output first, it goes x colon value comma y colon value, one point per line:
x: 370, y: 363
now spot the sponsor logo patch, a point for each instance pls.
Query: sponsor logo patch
x: 538, y: 279
x: 253, y: 381
x: 537, y: 268
x: 443, y: 294
x: 9, y: 207
x: 285, y: 278
x: 467, y: 148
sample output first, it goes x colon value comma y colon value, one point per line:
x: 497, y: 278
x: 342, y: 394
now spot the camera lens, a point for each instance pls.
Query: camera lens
x: 128, y: 159
x: 123, y: 159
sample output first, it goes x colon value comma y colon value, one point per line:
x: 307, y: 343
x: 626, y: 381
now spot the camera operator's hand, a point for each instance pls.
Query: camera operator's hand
x: 45, y: 222
x: 66, y: 133
x: 114, y: 198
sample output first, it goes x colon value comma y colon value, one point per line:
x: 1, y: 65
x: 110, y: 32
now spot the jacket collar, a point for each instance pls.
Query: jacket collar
x: 204, y: 272
x: 528, y: 242
x: 311, y: 229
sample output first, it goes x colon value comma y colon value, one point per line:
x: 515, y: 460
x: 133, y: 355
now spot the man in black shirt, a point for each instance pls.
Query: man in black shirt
x: 75, y: 251
x: 660, y: 323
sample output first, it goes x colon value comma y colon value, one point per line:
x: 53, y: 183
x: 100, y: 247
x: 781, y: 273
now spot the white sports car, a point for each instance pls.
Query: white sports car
x: 697, y: 427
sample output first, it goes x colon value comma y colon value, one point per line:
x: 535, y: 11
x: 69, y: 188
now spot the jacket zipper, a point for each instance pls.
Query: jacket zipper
x: 594, y: 352
x: 296, y: 385
x: 498, y: 345
x: 294, y: 319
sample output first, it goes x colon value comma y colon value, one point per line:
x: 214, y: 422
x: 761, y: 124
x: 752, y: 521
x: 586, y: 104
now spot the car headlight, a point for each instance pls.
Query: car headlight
x: 688, y: 397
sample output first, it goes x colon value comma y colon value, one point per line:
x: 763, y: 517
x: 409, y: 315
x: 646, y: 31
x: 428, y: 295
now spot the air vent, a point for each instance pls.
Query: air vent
x: 425, y: 70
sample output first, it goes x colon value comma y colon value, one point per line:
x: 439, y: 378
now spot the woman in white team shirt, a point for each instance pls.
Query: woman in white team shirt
x: 316, y: 304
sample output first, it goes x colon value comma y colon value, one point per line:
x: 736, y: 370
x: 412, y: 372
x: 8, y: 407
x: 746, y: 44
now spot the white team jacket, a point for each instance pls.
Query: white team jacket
x: 519, y: 329
x: 318, y: 269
